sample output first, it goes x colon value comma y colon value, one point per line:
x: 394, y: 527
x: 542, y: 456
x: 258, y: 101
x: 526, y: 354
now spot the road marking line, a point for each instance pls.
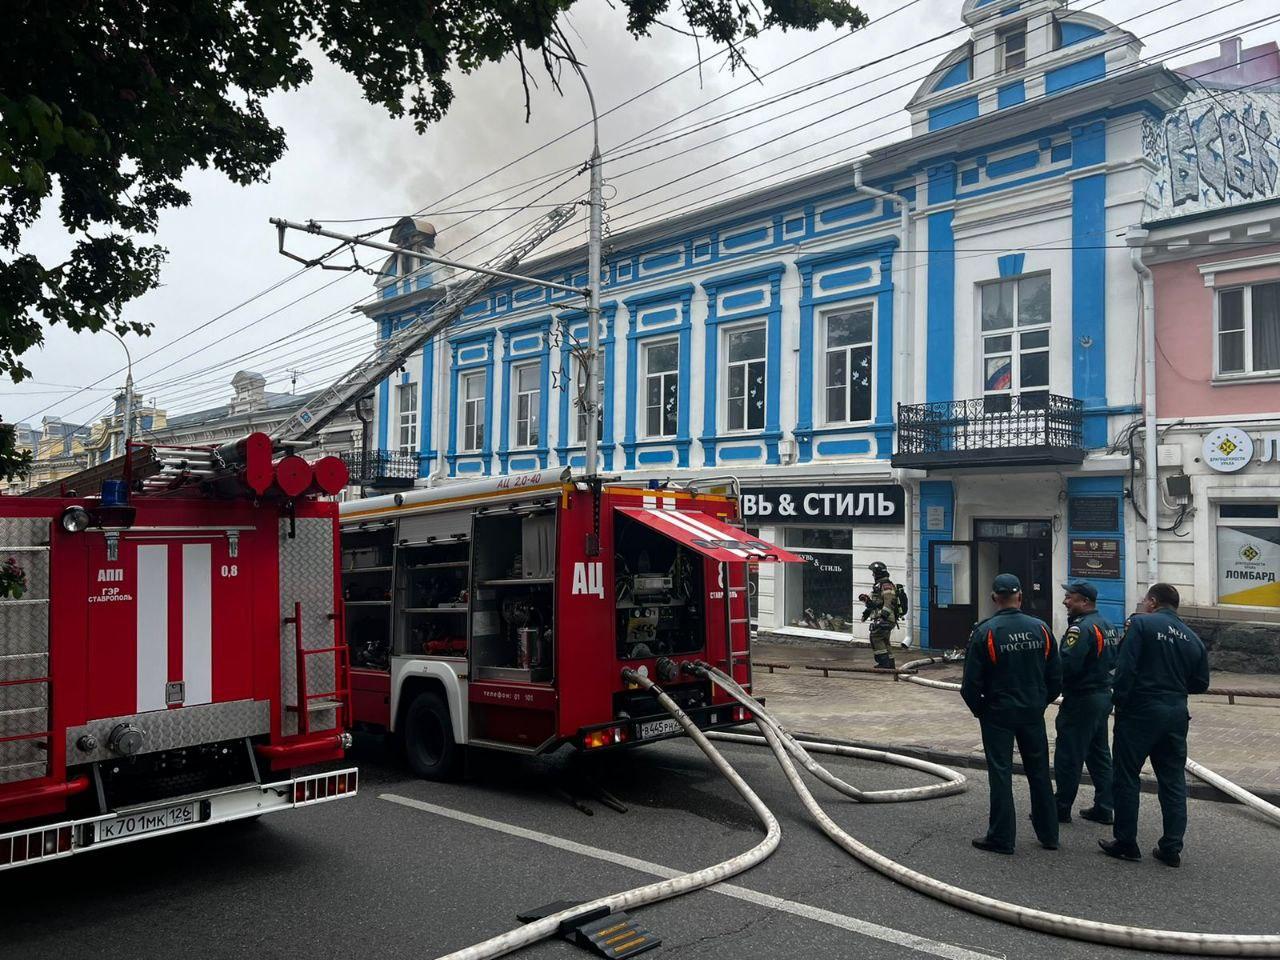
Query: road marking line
x: 864, y: 927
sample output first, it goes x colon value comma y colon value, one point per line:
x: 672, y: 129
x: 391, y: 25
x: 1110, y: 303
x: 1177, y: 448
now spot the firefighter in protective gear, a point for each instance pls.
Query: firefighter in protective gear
x: 1088, y: 651
x: 881, y: 608
x: 1161, y: 661
x: 1011, y: 674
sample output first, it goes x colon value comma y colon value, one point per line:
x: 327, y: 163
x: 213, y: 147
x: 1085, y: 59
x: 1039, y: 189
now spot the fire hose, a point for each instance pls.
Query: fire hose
x: 1077, y: 928
x: 664, y: 889
x: 1200, y: 772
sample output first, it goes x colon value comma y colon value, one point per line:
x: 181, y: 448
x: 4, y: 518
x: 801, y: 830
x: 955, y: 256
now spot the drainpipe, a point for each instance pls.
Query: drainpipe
x: 904, y: 335
x: 438, y: 415
x: 1135, y: 238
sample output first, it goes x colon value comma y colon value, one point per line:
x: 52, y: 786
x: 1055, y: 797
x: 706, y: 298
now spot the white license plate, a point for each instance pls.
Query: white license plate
x: 657, y: 728
x: 149, y: 821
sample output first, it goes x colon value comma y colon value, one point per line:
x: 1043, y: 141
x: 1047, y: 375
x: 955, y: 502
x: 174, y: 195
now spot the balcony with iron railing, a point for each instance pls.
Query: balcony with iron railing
x: 382, y: 469
x: 1033, y: 429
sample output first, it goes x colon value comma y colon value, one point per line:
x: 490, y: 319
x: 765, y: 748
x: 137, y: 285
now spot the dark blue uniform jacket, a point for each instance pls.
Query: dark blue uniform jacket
x: 1088, y: 654
x: 1012, y: 669
x: 1161, y: 661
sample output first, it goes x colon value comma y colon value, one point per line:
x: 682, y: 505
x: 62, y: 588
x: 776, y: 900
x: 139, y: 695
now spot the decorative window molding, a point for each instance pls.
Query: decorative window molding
x: 524, y: 344
x: 470, y: 354
x: 660, y: 313
x: 828, y: 280
x: 733, y: 300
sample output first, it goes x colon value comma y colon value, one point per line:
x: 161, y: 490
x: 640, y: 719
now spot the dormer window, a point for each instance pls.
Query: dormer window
x: 1011, y: 47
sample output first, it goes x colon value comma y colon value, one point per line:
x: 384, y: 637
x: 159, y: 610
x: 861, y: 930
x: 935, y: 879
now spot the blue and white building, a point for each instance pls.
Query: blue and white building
x: 942, y: 399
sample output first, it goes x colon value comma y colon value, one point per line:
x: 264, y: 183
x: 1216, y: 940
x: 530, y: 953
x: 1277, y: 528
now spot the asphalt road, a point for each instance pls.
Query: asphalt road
x: 377, y: 877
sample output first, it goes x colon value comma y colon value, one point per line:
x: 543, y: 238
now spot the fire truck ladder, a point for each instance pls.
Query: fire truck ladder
x: 339, y: 698
x: 392, y: 352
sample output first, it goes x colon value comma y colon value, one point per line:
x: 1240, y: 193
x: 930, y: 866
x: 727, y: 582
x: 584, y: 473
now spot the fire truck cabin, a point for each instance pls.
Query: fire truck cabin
x: 501, y: 613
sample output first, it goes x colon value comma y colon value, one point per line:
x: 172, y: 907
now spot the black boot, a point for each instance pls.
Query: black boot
x: 882, y: 661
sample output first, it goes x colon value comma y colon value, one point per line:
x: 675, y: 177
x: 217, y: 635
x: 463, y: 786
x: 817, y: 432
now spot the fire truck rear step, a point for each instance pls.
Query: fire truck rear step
x: 603, y: 933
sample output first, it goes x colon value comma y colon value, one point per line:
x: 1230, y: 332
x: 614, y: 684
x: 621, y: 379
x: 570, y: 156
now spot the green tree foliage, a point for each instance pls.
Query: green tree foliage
x: 105, y: 104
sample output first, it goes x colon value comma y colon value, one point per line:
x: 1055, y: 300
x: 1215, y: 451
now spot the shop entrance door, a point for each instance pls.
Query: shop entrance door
x: 953, y: 608
x: 1023, y: 548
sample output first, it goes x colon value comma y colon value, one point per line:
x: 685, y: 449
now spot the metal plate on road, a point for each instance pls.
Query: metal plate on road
x: 149, y: 821
x: 656, y: 728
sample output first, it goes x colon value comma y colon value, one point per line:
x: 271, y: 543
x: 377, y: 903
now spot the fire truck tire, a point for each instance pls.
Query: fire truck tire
x: 429, y: 746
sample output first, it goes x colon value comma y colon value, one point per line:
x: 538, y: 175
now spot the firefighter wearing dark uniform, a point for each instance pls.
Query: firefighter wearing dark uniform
x: 1088, y: 651
x: 1161, y: 661
x: 1011, y: 674
x: 881, y: 607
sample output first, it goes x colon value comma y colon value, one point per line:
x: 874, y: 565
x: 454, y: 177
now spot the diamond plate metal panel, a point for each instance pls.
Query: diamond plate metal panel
x: 306, y: 577
x: 24, y: 666
x: 171, y: 729
x: 24, y: 531
x: 21, y: 696
x: 15, y: 723
x: 24, y: 628
x: 22, y: 760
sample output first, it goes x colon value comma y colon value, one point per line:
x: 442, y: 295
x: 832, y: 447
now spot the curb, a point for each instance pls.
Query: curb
x: 1196, y: 789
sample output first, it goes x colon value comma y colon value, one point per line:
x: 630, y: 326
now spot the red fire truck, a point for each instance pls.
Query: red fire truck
x: 170, y: 648
x: 500, y: 613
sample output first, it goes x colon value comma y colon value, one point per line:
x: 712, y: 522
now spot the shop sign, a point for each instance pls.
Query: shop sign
x: 1227, y: 449
x: 1095, y: 559
x: 844, y: 505
x: 1249, y: 566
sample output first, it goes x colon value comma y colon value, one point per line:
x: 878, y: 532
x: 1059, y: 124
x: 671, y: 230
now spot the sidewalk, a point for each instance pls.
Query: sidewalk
x: 1240, y: 742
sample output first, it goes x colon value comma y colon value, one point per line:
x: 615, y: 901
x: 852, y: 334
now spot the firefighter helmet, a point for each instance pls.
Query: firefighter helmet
x: 878, y: 570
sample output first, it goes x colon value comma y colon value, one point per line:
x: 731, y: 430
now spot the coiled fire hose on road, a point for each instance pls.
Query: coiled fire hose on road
x: 1200, y: 772
x: 664, y: 889
x: 1076, y: 928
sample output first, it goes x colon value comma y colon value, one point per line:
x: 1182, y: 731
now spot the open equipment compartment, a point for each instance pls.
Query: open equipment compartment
x: 512, y: 595
x: 659, y: 593
x: 368, y: 556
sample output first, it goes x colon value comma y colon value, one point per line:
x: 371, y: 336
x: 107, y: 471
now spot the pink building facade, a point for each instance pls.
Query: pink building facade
x: 1213, y: 248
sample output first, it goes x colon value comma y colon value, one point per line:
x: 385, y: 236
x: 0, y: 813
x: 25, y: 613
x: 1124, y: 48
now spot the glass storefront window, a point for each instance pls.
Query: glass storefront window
x: 1249, y: 554
x: 820, y: 592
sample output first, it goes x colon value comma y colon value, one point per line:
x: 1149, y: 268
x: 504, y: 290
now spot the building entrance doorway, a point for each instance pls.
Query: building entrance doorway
x: 1023, y: 548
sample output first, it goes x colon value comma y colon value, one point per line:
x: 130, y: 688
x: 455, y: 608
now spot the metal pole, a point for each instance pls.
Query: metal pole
x: 127, y: 426
x: 594, y: 255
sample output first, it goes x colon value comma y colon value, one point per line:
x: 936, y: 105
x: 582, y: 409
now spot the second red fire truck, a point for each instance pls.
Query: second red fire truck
x: 500, y: 613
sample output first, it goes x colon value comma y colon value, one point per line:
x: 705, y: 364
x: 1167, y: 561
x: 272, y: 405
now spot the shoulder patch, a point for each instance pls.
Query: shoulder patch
x: 1072, y: 635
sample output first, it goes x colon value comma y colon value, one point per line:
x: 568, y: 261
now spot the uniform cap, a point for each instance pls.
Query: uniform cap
x: 1006, y: 583
x: 1082, y: 587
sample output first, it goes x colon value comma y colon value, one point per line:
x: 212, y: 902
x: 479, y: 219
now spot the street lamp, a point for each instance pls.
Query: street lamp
x: 128, y: 393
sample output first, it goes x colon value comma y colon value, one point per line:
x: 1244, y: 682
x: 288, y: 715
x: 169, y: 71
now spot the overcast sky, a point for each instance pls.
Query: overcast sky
x: 348, y: 160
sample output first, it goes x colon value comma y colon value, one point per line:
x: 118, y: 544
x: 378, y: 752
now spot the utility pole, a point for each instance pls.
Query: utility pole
x: 293, y: 380
x: 594, y: 255
x: 594, y: 269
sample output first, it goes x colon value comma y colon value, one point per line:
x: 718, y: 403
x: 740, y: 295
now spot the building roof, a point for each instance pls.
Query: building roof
x: 272, y: 403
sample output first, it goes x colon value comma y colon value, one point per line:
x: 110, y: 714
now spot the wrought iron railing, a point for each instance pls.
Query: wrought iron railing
x: 382, y: 468
x: 1030, y: 428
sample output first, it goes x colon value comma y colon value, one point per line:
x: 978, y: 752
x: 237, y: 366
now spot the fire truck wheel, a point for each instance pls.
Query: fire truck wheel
x: 428, y: 739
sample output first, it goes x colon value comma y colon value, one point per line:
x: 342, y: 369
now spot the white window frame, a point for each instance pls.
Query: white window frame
x: 1002, y: 47
x: 533, y: 399
x: 726, y: 369
x: 407, y: 419
x: 1246, y: 297
x: 647, y: 348
x: 824, y: 351
x: 471, y: 423
x: 1014, y: 333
